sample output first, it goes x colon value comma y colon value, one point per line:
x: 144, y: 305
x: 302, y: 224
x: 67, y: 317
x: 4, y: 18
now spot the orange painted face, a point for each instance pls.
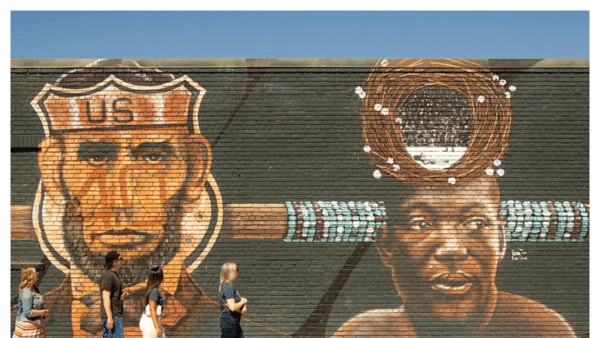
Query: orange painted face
x: 124, y: 163
x: 444, y: 250
x: 123, y: 180
x: 124, y: 187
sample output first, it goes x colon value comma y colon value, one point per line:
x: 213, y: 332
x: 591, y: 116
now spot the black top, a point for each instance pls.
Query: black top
x: 110, y: 281
x: 228, y: 291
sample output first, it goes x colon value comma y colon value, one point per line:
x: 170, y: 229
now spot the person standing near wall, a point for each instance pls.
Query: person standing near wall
x: 153, y: 305
x: 233, y: 307
x: 31, y: 306
x: 111, y: 292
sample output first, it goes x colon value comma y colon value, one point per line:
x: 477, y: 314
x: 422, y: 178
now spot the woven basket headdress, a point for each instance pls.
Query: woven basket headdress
x: 401, y: 98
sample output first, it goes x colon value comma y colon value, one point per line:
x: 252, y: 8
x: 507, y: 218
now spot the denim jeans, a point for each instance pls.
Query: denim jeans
x: 116, y: 331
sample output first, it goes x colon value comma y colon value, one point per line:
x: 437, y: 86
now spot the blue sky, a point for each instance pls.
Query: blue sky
x: 299, y: 34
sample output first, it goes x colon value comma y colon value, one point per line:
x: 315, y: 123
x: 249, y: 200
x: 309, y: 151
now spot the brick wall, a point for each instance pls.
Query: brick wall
x: 357, y: 197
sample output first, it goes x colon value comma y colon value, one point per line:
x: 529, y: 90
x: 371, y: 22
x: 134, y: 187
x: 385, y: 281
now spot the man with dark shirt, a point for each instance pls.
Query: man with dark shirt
x: 110, y: 293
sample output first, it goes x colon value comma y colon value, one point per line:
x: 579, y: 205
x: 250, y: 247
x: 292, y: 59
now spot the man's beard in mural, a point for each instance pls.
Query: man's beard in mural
x: 133, y: 271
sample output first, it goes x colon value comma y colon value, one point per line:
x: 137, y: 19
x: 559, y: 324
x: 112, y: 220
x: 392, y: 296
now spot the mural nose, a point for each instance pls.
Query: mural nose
x: 451, y: 247
x: 124, y: 216
x: 120, y: 186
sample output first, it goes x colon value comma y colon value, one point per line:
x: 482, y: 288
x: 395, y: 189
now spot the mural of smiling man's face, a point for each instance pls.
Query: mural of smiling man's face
x: 443, y: 250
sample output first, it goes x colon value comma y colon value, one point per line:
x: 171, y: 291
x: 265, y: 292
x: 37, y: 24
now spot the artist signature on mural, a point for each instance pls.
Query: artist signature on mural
x: 518, y: 254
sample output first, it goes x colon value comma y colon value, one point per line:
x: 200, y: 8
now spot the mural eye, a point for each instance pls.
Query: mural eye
x: 154, y: 158
x: 476, y: 223
x: 436, y: 126
x: 97, y: 153
x: 153, y: 153
x: 419, y: 224
x: 96, y: 159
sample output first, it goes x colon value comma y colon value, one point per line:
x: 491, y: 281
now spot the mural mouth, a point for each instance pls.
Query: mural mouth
x: 452, y: 283
x: 122, y: 238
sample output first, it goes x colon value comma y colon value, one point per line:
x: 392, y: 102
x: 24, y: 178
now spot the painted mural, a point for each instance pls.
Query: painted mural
x: 442, y: 134
x: 187, y: 169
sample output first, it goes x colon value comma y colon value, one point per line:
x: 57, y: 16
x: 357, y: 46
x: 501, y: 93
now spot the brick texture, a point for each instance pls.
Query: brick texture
x: 378, y: 198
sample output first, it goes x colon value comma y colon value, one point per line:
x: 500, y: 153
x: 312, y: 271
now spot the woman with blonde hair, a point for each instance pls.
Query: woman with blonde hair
x: 233, y: 307
x: 153, y: 304
x: 31, y: 310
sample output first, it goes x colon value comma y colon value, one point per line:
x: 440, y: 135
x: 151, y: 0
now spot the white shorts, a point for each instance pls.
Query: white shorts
x: 147, y: 327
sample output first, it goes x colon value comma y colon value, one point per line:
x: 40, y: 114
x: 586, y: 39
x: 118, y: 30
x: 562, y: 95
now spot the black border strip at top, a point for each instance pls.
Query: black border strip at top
x: 25, y: 149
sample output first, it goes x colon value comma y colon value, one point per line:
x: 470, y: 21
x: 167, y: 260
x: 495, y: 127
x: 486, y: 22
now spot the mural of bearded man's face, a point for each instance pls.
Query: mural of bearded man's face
x: 126, y: 191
